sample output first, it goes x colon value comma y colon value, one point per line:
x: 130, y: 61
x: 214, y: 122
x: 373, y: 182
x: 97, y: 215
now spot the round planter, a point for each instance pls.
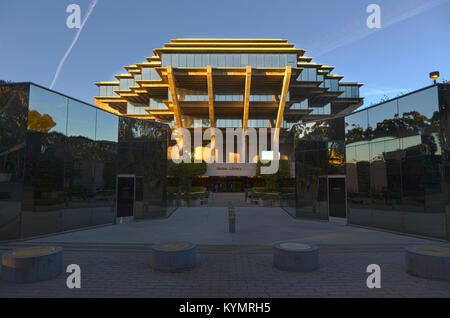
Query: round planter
x: 31, y: 265
x: 428, y: 261
x: 174, y: 257
x: 296, y: 257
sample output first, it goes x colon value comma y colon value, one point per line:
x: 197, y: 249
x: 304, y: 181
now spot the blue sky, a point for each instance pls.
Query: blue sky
x: 414, y: 38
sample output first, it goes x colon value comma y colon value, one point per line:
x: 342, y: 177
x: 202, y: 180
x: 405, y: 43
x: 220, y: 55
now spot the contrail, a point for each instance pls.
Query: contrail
x: 74, y: 41
x: 350, y: 36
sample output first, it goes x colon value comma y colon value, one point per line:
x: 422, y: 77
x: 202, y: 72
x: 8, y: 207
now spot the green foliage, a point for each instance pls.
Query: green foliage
x: 274, y: 181
x: 185, y: 172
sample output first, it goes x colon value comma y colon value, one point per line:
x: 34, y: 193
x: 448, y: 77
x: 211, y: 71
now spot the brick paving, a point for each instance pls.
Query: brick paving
x: 115, y: 259
x: 233, y: 272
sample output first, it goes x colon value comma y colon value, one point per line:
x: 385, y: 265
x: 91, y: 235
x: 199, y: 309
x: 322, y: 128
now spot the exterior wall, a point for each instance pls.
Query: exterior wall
x: 396, y: 163
x: 59, y: 159
x: 13, y: 129
x: 143, y: 152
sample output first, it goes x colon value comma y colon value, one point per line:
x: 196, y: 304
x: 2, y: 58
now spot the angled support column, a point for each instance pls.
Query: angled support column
x: 284, y: 91
x: 212, y: 117
x: 173, y: 92
x: 248, y: 82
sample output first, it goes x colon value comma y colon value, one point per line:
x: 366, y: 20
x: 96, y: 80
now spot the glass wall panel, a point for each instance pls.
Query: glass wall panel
x: 44, y: 173
x: 357, y: 164
x: 13, y: 128
x: 236, y: 60
x: 422, y: 150
x: 292, y: 60
x: 213, y: 60
x: 244, y: 60
x: 267, y: 60
x: 190, y: 60
x: 275, y: 60
x: 198, y: 60
x: 48, y: 111
x: 81, y: 120
x: 143, y: 153
x: 253, y: 60
x: 182, y: 60
x: 205, y: 60
x: 221, y: 60
x: 259, y: 60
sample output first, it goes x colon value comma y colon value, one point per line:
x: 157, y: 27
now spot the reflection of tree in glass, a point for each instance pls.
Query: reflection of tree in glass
x: 410, y: 124
x: 13, y: 115
x: 38, y: 122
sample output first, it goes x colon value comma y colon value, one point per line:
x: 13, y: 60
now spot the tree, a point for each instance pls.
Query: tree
x: 185, y: 172
x: 274, y: 181
x: 38, y: 122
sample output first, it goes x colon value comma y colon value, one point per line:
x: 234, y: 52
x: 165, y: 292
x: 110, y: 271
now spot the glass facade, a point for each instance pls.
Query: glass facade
x: 393, y: 158
x: 60, y: 159
x: 229, y: 60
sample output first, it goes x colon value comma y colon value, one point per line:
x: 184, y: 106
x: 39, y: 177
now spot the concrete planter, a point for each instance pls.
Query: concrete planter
x: 276, y: 203
x: 266, y: 202
x: 31, y: 265
x: 296, y: 257
x: 428, y: 262
x: 174, y: 257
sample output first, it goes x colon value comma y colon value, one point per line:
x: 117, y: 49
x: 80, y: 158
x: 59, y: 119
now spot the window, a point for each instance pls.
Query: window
x: 244, y: 60
x: 175, y: 60
x: 205, y: 60
x: 213, y: 60
x: 190, y: 60
x: 292, y: 60
x: 182, y: 60
x: 229, y: 60
x: 236, y: 60
x: 166, y: 59
x: 259, y: 60
x: 253, y: 60
x: 267, y: 60
x: 221, y: 60
x: 275, y: 60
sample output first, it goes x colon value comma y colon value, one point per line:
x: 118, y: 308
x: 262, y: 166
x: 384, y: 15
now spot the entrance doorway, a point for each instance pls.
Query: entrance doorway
x: 126, y: 195
x: 337, y: 197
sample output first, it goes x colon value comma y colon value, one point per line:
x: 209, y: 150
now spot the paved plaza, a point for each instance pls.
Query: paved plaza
x: 115, y: 259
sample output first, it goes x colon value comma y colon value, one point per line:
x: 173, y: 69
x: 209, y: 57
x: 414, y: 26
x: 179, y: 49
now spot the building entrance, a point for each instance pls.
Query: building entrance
x: 126, y: 195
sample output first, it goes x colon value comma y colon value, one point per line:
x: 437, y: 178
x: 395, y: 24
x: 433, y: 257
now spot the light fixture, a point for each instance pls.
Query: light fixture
x: 434, y: 76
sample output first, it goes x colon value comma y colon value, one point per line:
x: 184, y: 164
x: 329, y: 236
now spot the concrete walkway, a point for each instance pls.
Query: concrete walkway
x: 222, y: 199
x: 209, y: 226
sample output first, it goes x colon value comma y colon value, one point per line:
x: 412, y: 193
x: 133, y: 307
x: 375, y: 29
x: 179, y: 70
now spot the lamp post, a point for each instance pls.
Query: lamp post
x: 434, y: 76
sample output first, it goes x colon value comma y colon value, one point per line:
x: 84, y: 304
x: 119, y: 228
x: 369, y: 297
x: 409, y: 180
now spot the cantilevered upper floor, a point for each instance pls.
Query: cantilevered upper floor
x: 229, y: 82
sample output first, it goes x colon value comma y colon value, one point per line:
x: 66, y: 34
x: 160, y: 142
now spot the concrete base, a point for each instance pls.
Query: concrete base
x: 428, y: 262
x: 174, y: 257
x: 296, y: 257
x: 32, y: 264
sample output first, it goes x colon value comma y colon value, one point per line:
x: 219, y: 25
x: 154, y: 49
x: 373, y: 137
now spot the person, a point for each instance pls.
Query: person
x: 246, y: 192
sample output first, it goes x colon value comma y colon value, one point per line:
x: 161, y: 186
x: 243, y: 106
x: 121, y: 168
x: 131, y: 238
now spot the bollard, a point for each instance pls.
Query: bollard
x: 231, y: 219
